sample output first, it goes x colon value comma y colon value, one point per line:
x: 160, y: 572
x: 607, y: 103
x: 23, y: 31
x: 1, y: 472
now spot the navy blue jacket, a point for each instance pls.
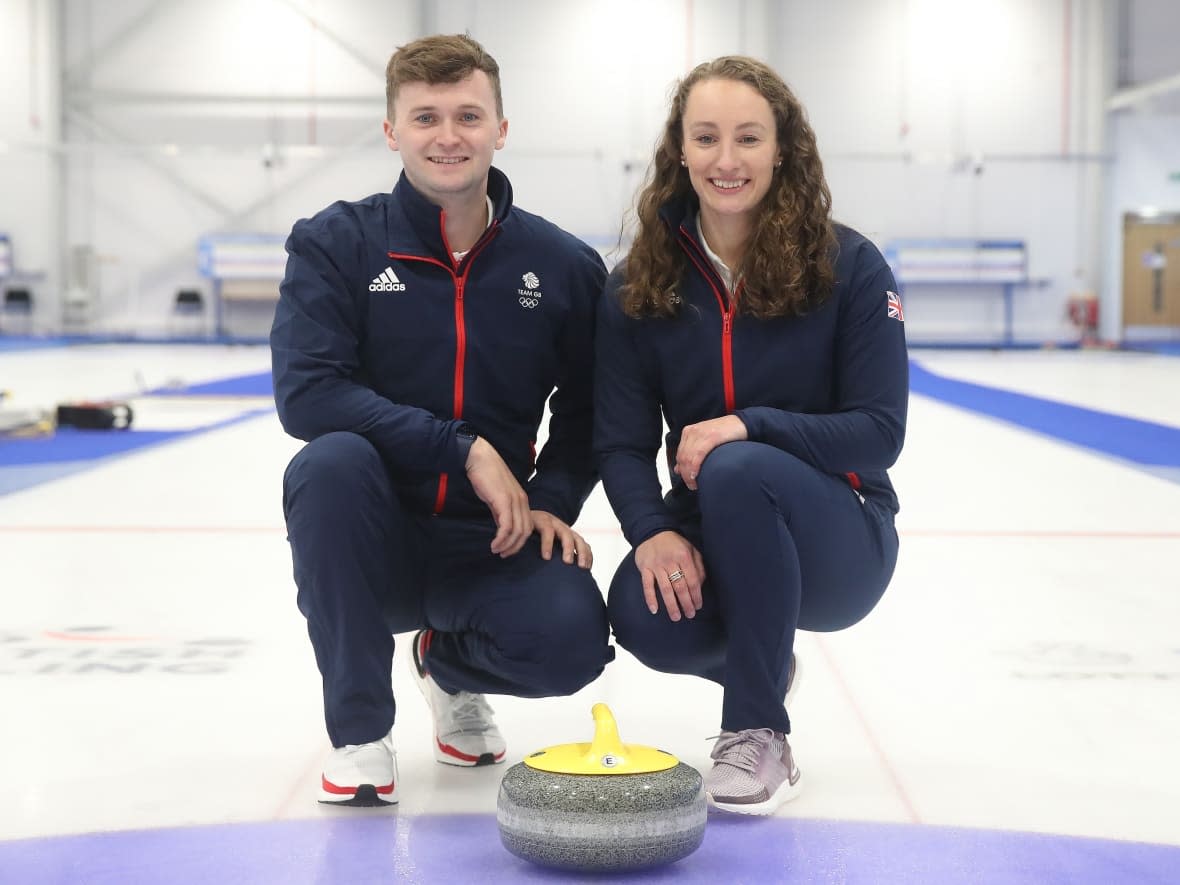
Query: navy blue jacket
x: 830, y: 387
x: 378, y: 331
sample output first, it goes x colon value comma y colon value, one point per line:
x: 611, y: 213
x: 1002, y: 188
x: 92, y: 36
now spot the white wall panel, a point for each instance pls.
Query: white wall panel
x: 935, y: 118
x: 29, y: 132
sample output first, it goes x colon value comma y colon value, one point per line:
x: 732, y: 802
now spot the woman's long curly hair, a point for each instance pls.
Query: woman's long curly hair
x: 787, y: 268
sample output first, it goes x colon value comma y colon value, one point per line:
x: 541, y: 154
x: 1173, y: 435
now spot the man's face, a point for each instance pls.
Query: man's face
x: 447, y: 134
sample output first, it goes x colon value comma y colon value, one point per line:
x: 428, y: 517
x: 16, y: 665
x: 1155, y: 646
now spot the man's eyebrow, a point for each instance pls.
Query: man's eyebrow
x: 421, y: 108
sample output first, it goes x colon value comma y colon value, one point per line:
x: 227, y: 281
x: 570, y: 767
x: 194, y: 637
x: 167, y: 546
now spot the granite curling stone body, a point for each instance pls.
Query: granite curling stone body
x: 605, y: 805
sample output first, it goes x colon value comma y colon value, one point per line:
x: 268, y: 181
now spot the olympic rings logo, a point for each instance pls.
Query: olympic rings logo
x: 530, y: 303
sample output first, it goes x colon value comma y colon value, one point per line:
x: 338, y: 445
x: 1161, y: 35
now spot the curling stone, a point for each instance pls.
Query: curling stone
x: 604, y: 805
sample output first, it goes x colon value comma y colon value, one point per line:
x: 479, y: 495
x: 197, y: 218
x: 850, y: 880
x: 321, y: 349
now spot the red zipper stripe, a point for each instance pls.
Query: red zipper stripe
x: 460, y: 345
x: 726, y: 318
x: 703, y: 264
x: 460, y: 281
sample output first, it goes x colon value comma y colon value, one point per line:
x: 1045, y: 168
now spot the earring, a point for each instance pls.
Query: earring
x: 779, y: 163
x: 683, y: 161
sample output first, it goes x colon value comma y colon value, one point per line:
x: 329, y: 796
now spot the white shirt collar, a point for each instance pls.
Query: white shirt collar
x: 723, y: 271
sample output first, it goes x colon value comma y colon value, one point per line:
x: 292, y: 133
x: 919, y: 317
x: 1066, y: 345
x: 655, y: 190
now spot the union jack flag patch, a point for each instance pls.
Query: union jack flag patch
x: 893, y: 307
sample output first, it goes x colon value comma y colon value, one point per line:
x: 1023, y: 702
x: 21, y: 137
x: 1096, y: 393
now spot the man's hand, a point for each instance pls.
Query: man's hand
x: 495, y: 485
x: 697, y: 440
x: 668, y: 555
x: 573, y: 546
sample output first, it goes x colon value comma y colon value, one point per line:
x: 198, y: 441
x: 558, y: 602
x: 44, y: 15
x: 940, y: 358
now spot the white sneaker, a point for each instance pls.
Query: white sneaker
x: 361, y: 774
x: 464, y: 731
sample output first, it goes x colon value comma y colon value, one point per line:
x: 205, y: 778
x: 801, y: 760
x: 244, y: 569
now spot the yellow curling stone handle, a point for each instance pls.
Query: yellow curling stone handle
x: 606, y: 754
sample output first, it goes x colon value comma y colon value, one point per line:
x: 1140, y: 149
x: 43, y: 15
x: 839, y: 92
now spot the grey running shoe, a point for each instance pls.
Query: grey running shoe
x: 753, y: 772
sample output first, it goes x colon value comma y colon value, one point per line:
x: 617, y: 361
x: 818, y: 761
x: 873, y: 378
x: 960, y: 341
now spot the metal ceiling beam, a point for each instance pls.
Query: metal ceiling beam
x: 76, y: 72
x: 1135, y: 95
x: 86, y: 97
x: 104, y: 130
x: 365, y: 138
x: 333, y: 37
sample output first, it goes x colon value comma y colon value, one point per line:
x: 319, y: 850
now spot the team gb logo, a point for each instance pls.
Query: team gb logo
x: 530, y: 295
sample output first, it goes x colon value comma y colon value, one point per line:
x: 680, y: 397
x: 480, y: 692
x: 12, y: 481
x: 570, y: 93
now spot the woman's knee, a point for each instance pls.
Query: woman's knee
x: 686, y: 646
x: 626, y: 608
x: 742, y: 463
x: 748, y: 474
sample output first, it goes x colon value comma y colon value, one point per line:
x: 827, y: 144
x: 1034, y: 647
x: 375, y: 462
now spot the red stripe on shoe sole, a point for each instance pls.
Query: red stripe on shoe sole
x: 330, y: 787
x: 466, y: 757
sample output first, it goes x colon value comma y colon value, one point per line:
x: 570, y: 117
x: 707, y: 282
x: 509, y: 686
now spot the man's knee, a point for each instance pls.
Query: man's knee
x: 334, y: 464
x: 332, y: 457
x: 575, y: 640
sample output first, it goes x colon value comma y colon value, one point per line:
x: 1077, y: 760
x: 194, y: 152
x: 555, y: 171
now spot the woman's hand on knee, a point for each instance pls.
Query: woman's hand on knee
x: 574, y: 548
x: 698, y: 440
x: 675, y: 570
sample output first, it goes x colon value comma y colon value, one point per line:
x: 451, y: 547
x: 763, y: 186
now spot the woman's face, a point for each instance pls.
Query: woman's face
x: 730, y: 148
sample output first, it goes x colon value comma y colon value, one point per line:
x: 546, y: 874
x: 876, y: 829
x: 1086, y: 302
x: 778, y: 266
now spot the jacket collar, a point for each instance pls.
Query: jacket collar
x: 416, y: 224
x: 681, y: 212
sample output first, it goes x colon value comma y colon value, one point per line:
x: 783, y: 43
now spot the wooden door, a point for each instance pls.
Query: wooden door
x: 1151, y: 270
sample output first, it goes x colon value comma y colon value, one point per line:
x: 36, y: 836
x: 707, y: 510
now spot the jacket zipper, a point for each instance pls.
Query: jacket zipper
x: 702, y: 263
x: 726, y: 316
x: 460, y: 281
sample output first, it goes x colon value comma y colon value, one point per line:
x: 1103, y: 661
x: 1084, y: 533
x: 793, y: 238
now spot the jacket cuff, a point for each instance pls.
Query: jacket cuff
x: 646, y: 528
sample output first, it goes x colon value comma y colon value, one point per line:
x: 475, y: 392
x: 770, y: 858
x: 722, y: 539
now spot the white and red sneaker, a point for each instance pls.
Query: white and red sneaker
x: 361, y: 774
x: 464, y: 731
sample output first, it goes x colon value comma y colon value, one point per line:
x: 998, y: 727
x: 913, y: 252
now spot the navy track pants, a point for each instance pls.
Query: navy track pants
x: 786, y: 547
x: 366, y: 568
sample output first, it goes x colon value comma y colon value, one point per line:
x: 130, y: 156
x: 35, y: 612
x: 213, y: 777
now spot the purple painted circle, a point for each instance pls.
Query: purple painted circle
x: 382, y: 847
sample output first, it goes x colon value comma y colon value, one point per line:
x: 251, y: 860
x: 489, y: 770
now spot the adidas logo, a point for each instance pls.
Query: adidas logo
x: 387, y: 282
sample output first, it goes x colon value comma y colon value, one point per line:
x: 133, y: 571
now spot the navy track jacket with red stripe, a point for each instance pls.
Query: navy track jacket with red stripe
x: 830, y: 387
x: 378, y: 331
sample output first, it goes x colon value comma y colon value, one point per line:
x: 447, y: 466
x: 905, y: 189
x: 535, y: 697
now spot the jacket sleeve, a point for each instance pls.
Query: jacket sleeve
x: 315, y: 356
x: 627, y: 425
x: 565, y: 473
x: 866, y: 429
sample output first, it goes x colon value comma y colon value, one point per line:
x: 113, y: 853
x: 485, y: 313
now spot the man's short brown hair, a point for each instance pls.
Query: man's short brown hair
x: 443, y: 58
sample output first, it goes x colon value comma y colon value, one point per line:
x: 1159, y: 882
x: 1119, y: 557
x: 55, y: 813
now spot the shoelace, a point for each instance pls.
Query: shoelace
x: 742, y: 748
x: 349, y: 749
x: 470, y: 713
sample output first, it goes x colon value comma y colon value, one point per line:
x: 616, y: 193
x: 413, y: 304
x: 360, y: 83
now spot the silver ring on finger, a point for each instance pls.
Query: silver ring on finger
x: 677, y: 575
